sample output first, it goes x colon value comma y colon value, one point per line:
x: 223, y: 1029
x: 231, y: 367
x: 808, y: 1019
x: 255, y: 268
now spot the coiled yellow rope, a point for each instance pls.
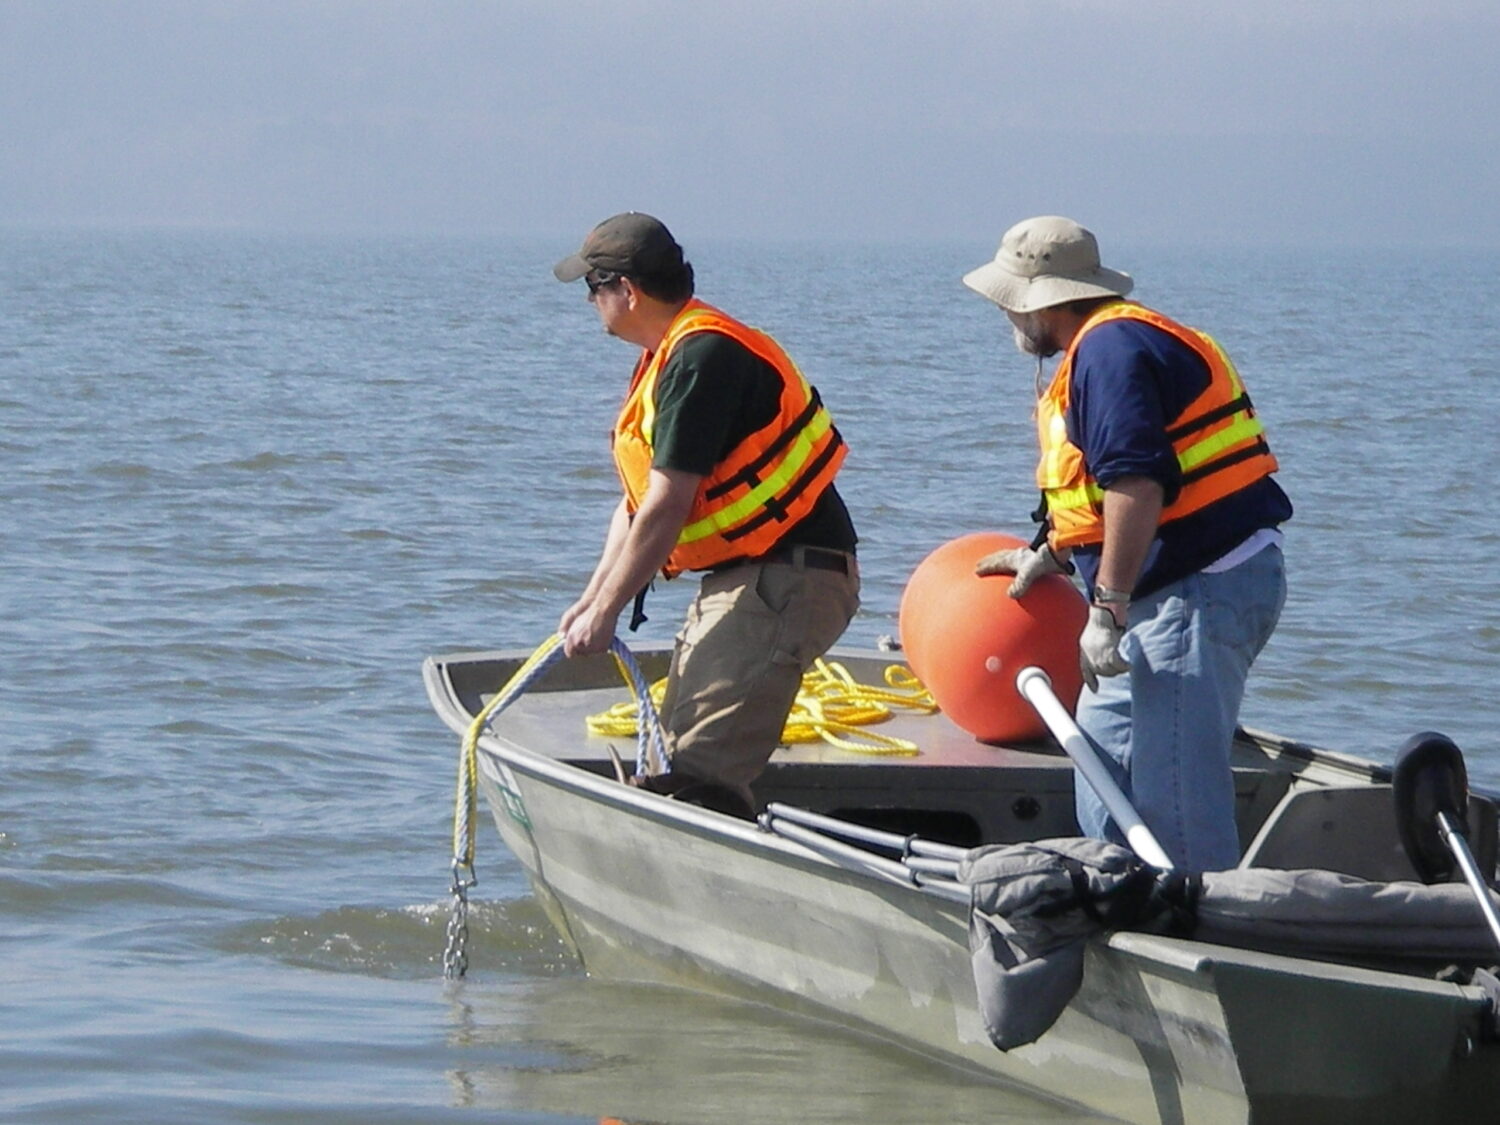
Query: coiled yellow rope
x: 831, y: 706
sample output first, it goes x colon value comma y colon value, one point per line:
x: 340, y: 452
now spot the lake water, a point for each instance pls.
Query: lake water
x: 250, y: 482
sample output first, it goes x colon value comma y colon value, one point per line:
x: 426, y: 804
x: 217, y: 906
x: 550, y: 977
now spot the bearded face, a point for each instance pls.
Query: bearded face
x: 1033, y: 336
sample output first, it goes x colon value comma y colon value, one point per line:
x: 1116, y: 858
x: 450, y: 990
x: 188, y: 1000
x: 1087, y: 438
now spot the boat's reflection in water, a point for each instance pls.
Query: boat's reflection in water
x: 652, y: 1055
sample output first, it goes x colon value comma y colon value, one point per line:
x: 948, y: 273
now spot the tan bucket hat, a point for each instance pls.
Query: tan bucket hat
x: 1046, y: 261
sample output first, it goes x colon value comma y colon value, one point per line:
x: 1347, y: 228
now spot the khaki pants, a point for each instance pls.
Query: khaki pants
x: 750, y: 634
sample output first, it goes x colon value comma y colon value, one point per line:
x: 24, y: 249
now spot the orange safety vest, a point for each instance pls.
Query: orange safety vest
x: 1219, y: 441
x: 768, y: 482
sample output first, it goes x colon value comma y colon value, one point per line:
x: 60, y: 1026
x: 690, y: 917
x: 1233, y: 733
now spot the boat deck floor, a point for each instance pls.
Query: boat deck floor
x: 955, y: 788
x: 555, y: 724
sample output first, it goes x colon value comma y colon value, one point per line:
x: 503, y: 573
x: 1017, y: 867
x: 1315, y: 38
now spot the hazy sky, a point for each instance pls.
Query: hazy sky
x: 1284, y: 121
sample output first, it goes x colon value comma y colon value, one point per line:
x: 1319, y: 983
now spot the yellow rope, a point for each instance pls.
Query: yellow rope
x: 466, y: 801
x: 467, y: 796
x: 831, y: 706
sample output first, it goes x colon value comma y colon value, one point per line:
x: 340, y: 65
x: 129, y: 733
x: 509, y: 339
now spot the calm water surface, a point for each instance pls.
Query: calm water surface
x: 251, y: 482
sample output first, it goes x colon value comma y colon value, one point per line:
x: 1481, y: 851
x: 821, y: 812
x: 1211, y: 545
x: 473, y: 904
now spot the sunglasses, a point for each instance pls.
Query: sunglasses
x: 600, y: 279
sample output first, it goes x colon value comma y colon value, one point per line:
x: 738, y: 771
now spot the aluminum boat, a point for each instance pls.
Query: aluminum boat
x: 796, y: 910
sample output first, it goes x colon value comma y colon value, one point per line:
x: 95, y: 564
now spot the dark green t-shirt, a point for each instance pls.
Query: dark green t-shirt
x: 712, y: 393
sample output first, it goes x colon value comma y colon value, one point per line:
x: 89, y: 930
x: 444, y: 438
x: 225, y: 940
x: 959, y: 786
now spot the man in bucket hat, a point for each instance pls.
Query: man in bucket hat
x: 727, y: 457
x: 1156, y: 481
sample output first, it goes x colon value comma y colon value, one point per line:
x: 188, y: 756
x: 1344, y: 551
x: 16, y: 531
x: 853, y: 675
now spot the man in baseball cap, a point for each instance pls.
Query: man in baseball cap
x: 727, y: 456
x: 1156, y: 480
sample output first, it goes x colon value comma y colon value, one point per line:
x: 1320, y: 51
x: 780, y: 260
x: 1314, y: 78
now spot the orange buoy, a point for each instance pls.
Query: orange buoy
x: 966, y: 638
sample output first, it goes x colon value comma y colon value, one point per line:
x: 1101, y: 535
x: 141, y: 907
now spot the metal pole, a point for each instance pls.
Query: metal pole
x: 1036, y: 686
x: 865, y: 835
x: 848, y: 856
x: 1460, y: 849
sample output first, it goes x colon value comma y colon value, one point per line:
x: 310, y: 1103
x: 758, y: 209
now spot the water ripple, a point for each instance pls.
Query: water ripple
x: 408, y: 942
x: 253, y: 481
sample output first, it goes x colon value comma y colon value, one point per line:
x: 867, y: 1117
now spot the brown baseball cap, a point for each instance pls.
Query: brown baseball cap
x: 632, y: 243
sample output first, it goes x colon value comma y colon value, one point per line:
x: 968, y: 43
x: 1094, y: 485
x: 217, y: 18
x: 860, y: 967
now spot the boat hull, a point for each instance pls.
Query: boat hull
x: 1162, y: 1029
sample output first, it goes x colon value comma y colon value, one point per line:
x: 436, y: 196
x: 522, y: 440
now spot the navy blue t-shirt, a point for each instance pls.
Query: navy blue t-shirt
x: 1130, y: 380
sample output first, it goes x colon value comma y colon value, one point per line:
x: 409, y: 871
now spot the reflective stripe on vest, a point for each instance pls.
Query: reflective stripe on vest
x: 1218, y: 439
x: 768, y: 482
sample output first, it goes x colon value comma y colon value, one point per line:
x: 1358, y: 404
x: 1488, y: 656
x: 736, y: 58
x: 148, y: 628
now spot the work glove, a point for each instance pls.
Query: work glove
x: 1099, y: 647
x: 1025, y: 563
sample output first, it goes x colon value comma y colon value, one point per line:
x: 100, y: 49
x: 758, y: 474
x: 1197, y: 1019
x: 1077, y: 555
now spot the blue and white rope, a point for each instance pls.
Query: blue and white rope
x: 651, y: 746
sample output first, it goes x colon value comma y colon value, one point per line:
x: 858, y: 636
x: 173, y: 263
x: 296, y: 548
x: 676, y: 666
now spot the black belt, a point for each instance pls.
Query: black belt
x: 812, y: 558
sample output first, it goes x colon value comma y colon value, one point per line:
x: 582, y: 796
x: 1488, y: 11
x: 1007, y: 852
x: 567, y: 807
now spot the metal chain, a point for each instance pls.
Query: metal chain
x: 456, y: 955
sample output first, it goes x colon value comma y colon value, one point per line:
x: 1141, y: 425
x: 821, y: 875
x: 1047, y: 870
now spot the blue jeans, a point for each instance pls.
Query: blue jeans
x: 1166, y: 727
